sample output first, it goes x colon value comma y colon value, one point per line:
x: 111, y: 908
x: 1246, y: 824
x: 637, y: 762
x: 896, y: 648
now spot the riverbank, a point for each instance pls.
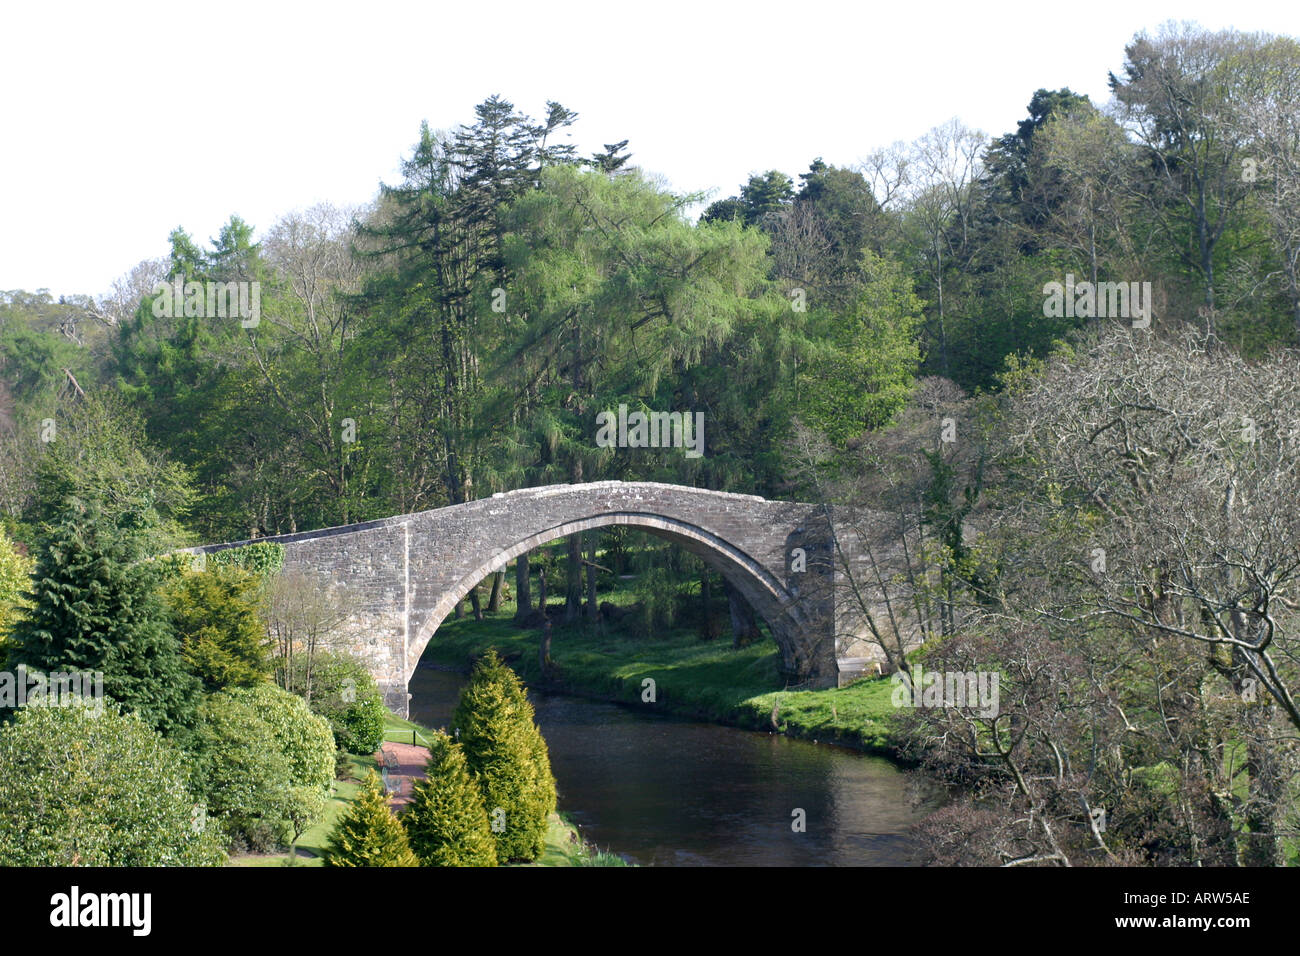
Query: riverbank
x: 680, y: 675
x: 564, y: 843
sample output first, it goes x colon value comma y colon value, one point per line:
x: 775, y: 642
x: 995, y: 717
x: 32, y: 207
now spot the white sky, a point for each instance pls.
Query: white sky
x: 124, y: 120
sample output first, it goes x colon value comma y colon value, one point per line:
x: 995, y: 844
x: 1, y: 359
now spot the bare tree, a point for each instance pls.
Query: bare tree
x: 303, y: 613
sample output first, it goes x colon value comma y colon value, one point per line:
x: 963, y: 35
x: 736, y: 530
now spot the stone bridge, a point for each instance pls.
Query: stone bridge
x: 402, y: 576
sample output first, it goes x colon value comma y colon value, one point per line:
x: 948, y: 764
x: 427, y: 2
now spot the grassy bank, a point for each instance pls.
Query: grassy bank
x: 564, y: 844
x: 705, y: 680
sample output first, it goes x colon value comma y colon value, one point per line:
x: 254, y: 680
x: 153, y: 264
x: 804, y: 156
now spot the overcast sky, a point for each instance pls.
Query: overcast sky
x: 124, y: 120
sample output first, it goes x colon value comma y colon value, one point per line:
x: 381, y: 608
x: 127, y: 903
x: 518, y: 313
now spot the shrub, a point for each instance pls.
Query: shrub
x: 446, y: 821
x: 215, y: 615
x: 339, y: 688
x: 507, y: 755
x: 254, y: 747
x: 367, y: 833
x: 264, y: 559
x: 106, y: 790
x: 304, y: 738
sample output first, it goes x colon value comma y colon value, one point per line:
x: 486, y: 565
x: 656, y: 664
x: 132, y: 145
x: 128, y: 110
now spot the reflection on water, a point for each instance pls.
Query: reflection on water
x: 676, y: 793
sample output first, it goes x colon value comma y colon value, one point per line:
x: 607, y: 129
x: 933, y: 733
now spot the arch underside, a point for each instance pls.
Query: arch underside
x: 765, y: 593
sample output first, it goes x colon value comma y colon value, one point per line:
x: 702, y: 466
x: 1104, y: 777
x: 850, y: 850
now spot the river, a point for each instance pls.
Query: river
x: 665, y: 792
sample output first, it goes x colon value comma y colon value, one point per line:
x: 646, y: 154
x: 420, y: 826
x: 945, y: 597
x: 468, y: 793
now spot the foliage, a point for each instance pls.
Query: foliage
x: 367, y: 834
x: 339, y: 688
x: 262, y: 558
x: 215, y: 615
x: 119, y: 795
x: 15, y: 578
x: 446, y: 820
x: 96, y: 608
x: 254, y: 749
x: 507, y: 755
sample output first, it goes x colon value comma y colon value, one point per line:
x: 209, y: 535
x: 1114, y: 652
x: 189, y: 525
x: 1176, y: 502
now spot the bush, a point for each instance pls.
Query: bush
x: 264, y: 559
x: 445, y: 821
x: 303, y: 738
x: 339, y: 688
x: 507, y: 755
x: 367, y: 833
x: 254, y: 747
x: 215, y: 615
x: 106, y: 790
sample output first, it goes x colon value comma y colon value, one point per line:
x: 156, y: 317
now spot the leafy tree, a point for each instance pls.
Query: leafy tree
x: 446, y: 821
x: 84, y: 789
x: 861, y: 371
x: 223, y: 640
x: 367, y: 833
x: 100, y: 454
x: 96, y: 607
x: 507, y: 755
x: 254, y: 749
x: 15, y: 578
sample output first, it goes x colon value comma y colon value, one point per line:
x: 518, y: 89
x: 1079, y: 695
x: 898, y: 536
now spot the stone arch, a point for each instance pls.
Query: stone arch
x: 765, y: 593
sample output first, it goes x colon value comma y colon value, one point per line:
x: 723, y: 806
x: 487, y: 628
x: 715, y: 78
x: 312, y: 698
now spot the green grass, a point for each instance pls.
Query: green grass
x: 313, y: 841
x: 564, y: 845
x: 706, y: 680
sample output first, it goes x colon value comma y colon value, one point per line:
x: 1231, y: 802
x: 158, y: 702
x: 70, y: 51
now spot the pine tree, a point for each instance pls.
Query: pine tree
x: 367, y: 834
x: 446, y: 822
x: 96, y: 608
x: 508, y: 757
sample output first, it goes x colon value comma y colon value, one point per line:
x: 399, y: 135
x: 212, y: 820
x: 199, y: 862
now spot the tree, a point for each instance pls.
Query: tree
x: 223, y: 640
x: 15, y: 578
x: 1170, y: 526
x: 302, y: 613
x: 119, y: 796
x: 96, y: 607
x: 255, y: 749
x: 860, y: 371
x: 367, y: 833
x: 507, y: 755
x: 1178, y: 92
x: 446, y: 821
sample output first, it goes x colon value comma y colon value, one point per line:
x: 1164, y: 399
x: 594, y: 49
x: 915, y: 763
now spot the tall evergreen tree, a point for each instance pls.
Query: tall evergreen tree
x: 507, y: 754
x: 446, y: 822
x: 97, y: 608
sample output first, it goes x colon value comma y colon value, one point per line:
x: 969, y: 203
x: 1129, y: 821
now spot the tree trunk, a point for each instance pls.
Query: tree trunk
x: 744, y: 626
x: 593, y: 611
x: 523, y: 589
x: 498, y: 584
x: 475, y: 603
x: 573, y: 580
x: 706, y: 598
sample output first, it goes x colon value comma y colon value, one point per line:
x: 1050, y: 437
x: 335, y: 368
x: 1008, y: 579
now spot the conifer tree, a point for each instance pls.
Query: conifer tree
x: 367, y: 834
x: 446, y: 822
x: 508, y: 756
x: 96, y: 608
